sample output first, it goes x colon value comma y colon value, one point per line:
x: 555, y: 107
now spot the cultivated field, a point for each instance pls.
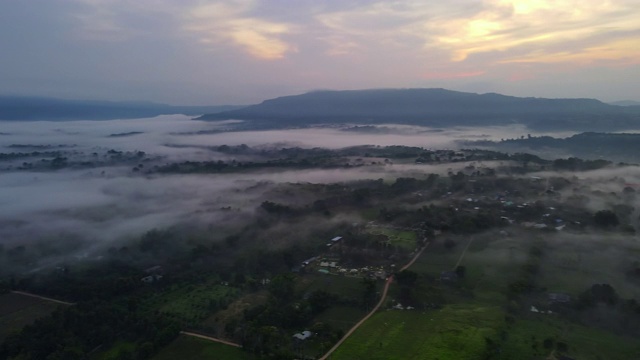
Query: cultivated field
x: 475, y: 320
x: 17, y: 311
x: 187, y: 347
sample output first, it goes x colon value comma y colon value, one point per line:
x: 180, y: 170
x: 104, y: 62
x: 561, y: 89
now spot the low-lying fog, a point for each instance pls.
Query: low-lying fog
x: 99, y: 206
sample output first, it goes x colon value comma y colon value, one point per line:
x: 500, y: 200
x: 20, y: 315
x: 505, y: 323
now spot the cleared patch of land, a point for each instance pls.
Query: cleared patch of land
x: 463, y: 331
x: 215, y: 323
x: 192, y: 303
x: 404, y: 239
x: 475, y: 321
x: 18, y: 310
x: 188, y: 347
x: 454, y: 332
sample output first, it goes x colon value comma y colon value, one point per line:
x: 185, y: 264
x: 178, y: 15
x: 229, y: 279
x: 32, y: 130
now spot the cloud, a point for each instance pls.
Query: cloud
x: 374, y: 24
x: 622, y: 52
x: 121, y: 20
x: 214, y: 24
x: 511, y: 31
x: 98, y: 20
x: 535, y: 31
x: 230, y: 22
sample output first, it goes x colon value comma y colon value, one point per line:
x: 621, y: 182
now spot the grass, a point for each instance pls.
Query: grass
x: 188, y: 347
x: 344, y: 286
x: 341, y: 317
x: 215, y: 323
x: 525, y: 340
x: 437, y: 259
x: 114, y: 352
x: 194, y: 303
x: 17, y: 311
x: 581, y: 268
x: 469, y: 326
x: 402, y: 239
x: 460, y: 332
x: 453, y: 332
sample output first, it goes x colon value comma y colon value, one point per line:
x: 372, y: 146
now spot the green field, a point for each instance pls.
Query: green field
x: 115, y: 351
x: 583, y: 343
x: 187, y: 348
x: 17, y: 311
x: 436, y: 258
x: 193, y: 303
x: 345, y: 286
x: 341, y: 317
x: 454, y: 332
x: 473, y: 322
x: 402, y: 239
x: 461, y: 332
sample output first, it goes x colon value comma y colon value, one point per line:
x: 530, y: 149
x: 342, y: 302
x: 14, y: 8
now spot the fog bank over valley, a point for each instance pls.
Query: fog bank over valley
x: 96, y: 184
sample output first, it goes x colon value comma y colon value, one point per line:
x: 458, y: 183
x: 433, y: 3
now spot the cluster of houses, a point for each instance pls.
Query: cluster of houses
x: 154, y: 274
x: 552, y: 298
x: 330, y: 265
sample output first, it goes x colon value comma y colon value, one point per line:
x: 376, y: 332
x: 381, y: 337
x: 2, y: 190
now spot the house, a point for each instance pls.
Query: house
x: 151, y: 278
x: 309, y: 261
x: 380, y: 274
x: 559, y: 298
x: 336, y: 239
x: 448, y: 276
x: 303, y: 335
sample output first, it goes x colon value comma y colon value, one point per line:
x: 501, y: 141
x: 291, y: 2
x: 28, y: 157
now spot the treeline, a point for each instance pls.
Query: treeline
x: 265, y: 330
x: 75, y: 332
x: 20, y: 155
x: 588, y: 144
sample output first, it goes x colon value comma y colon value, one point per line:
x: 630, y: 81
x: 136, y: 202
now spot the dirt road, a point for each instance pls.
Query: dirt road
x: 42, y: 297
x: 373, y: 311
x: 463, y: 253
x: 187, y: 333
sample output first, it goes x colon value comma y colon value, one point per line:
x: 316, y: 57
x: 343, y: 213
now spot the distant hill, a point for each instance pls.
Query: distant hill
x: 435, y: 107
x: 41, y: 108
x: 588, y: 145
x: 625, y: 103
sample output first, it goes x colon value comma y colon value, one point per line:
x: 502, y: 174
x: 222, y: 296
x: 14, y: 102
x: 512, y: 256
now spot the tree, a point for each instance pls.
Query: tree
x: 282, y: 287
x: 605, y: 219
x: 449, y: 244
x: 461, y: 271
x: 368, y: 292
x: 406, y: 278
x: 321, y: 300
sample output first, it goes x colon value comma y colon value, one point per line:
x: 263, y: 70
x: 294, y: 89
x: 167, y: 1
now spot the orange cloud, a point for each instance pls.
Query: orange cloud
x: 228, y: 22
x: 538, y: 26
x: 626, y: 51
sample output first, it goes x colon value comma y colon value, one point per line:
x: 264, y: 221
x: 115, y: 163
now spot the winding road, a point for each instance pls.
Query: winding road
x: 375, y: 309
x: 42, y: 297
x: 188, y: 333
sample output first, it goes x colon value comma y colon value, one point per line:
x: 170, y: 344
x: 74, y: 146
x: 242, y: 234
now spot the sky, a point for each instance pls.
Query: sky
x: 197, y: 52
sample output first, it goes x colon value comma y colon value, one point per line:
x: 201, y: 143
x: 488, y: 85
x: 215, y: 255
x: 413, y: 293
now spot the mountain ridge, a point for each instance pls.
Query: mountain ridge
x: 433, y: 107
x: 33, y: 108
